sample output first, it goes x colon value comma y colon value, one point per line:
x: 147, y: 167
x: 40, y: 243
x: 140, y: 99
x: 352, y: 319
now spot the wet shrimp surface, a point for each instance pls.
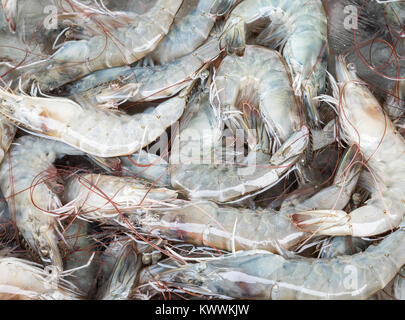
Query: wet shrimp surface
x: 203, y: 149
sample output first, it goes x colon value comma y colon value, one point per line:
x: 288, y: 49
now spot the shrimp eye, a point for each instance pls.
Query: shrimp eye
x: 351, y: 66
x: 44, y: 252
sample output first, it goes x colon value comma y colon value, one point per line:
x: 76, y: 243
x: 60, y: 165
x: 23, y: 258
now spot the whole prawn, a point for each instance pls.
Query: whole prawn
x: 255, y: 95
x: 92, y: 130
x: 29, y: 200
x: 299, y: 28
x: 145, y: 83
x: 364, y: 123
x: 263, y: 275
x: 125, y: 38
x: 229, y: 228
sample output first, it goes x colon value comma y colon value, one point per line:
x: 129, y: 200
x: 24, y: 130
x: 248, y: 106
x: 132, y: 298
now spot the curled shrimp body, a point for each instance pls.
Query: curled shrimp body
x: 29, y: 198
x: 96, y: 196
x: 128, y: 37
x: 146, y: 83
x: 92, y: 130
x: 364, y: 123
x: 300, y: 28
x: 263, y: 275
x: 256, y: 92
x: 24, y: 280
x: 258, y: 85
x: 229, y: 228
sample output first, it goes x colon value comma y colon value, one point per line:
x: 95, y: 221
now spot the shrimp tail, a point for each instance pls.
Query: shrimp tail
x: 221, y: 7
x: 318, y: 221
x: 235, y: 37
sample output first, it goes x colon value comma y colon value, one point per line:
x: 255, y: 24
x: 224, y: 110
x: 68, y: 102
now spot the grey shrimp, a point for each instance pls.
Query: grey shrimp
x: 364, y: 123
x: 300, y: 28
x: 92, y: 130
x: 263, y: 275
x: 20, y: 173
x: 128, y: 37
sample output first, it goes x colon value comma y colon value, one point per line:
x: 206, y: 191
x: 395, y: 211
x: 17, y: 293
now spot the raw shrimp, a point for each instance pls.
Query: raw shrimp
x: 190, y: 29
x: 96, y: 196
x: 230, y: 228
x: 146, y: 83
x: 29, y: 200
x: 300, y: 28
x: 256, y: 86
x: 24, y: 280
x: 124, y: 38
x: 263, y: 275
x: 364, y: 123
x: 94, y: 131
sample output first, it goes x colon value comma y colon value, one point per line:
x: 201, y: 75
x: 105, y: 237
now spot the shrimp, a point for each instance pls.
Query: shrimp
x: 146, y: 83
x: 129, y: 37
x: 257, y: 86
x: 96, y: 196
x: 299, y: 28
x: 262, y: 275
x: 190, y: 29
x: 26, y: 280
x: 29, y: 200
x: 228, y: 228
x: 125, y: 38
x: 365, y: 124
x: 94, y: 131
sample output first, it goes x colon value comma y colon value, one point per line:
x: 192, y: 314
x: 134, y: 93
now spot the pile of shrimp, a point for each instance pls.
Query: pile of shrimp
x: 202, y: 149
